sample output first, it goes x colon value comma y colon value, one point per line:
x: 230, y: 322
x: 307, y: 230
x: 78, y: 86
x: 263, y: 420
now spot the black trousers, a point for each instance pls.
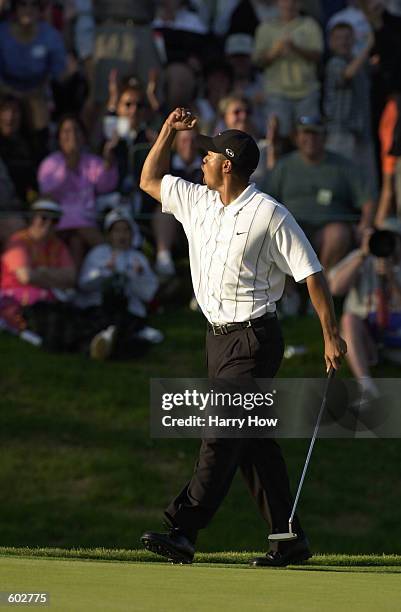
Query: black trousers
x: 254, y: 352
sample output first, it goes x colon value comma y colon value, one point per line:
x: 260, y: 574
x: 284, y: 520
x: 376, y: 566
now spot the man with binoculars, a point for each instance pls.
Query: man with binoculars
x: 370, y: 278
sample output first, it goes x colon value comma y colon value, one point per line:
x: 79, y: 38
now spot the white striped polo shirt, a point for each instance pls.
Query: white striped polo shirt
x: 240, y: 253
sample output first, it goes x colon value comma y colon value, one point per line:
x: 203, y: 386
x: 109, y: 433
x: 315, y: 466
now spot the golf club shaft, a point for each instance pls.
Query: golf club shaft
x: 311, y: 445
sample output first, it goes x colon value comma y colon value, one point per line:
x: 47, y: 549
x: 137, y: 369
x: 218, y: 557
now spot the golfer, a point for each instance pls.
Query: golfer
x: 242, y: 243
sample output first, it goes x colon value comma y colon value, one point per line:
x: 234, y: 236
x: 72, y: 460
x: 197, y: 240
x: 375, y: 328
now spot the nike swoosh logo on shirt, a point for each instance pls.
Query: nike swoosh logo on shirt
x: 239, y: 233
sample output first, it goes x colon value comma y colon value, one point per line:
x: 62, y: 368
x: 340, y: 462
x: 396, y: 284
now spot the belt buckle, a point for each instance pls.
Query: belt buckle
x: 219, y: 330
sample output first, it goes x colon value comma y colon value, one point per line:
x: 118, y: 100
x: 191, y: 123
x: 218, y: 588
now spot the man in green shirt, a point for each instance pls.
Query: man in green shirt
x: 323, y: 191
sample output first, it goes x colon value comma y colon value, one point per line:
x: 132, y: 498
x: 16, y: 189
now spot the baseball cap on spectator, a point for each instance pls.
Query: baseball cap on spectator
x: 117, y: 214
x: 50, y: 208
x: 237, y: 146
x: 312, y: 123
x: 239, y: 44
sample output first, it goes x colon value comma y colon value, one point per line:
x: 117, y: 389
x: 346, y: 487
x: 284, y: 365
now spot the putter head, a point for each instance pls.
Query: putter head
x: 282, y: 537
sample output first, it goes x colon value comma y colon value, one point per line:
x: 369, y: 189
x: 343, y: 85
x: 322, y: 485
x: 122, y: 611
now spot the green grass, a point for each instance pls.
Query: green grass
x: 78, y: 467
x: 348, y: 562
x: 119, y: 587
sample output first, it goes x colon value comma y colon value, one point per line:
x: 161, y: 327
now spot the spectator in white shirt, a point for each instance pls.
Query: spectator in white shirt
x: 118, y: 280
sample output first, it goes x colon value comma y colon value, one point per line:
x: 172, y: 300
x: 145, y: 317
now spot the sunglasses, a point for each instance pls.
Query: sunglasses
x: 239, y: 111
x: 128, y: 104
x: 54, y: 220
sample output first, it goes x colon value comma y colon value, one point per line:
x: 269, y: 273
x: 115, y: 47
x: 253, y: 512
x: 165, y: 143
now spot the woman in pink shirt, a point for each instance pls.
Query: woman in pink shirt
x: 74, y: 178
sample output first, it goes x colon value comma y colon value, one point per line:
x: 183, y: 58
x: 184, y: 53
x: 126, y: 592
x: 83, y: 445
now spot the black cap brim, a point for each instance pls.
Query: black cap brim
x: 206, y: 143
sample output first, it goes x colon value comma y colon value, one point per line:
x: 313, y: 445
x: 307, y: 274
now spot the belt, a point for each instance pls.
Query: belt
x: 226, y: 328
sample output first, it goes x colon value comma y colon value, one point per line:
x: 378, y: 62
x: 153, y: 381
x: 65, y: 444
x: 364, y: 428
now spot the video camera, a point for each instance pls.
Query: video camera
x: 382, y: 243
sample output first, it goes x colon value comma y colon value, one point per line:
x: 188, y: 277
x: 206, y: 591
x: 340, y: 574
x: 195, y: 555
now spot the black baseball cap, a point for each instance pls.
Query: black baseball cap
x: 237, y: 146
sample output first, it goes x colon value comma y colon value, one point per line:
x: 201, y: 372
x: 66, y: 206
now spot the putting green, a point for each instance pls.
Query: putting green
x: 140, y: 587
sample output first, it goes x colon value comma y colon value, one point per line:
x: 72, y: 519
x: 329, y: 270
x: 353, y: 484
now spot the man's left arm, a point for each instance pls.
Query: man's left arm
x: 334, y: 346
x: 294, y: 255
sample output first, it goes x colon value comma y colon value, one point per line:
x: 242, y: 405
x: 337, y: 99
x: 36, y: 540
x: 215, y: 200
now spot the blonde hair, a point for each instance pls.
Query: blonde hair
x: 232, y: 99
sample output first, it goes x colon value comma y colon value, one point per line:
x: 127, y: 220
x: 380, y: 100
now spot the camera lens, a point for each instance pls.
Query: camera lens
x: 382, y: 243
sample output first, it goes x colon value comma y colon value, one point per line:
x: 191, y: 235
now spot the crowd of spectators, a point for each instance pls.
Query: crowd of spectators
x: 84, y: 87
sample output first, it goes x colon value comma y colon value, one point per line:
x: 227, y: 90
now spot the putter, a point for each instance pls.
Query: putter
x: 285, y: 537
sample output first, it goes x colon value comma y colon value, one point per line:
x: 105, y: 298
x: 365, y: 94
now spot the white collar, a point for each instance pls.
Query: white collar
x: 234, y: 207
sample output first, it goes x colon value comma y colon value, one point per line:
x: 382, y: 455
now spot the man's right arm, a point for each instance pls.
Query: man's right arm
x: 158, y: 160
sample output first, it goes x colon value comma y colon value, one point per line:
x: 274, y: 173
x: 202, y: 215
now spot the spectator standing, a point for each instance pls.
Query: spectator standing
x: 289, y: 49
x: 123, y: 40
x: 31, y: 53
x: 346, y: 103
x: 390, y: 141
x: 357, y: 19
x: 73, y: 178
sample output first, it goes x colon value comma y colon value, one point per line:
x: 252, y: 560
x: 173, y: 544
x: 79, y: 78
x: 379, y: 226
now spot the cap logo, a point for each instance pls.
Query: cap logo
x: 230, y: 152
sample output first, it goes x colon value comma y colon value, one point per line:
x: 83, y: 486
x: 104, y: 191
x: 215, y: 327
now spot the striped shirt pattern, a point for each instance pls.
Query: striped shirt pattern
x: 240, y: 253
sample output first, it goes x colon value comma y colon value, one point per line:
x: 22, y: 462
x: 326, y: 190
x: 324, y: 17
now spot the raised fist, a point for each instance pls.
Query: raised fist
x: 181, y: 119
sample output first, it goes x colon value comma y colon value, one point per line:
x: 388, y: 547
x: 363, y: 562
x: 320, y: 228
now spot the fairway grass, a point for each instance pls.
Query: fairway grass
x: 75, y: 585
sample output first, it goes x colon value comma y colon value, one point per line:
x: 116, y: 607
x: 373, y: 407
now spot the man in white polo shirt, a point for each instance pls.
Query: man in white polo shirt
x: 242, y: 243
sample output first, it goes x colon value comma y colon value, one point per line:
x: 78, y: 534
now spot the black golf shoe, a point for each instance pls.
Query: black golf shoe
x: 174, y: 545
x: 293, y: 554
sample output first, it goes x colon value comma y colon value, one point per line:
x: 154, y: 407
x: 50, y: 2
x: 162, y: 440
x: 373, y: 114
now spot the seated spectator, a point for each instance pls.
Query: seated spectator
x: 346, y: 103
x: 31, y: 53
x: 323, y: 192
x: 125, y: 123
x: 15, y: 150
x: 35, y: 265
x: 115, y: 283
x: 11, y: 210
x: 371, y: 322
x: 289, y: 49
x: 236, y: 113
x: 73, y: 178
